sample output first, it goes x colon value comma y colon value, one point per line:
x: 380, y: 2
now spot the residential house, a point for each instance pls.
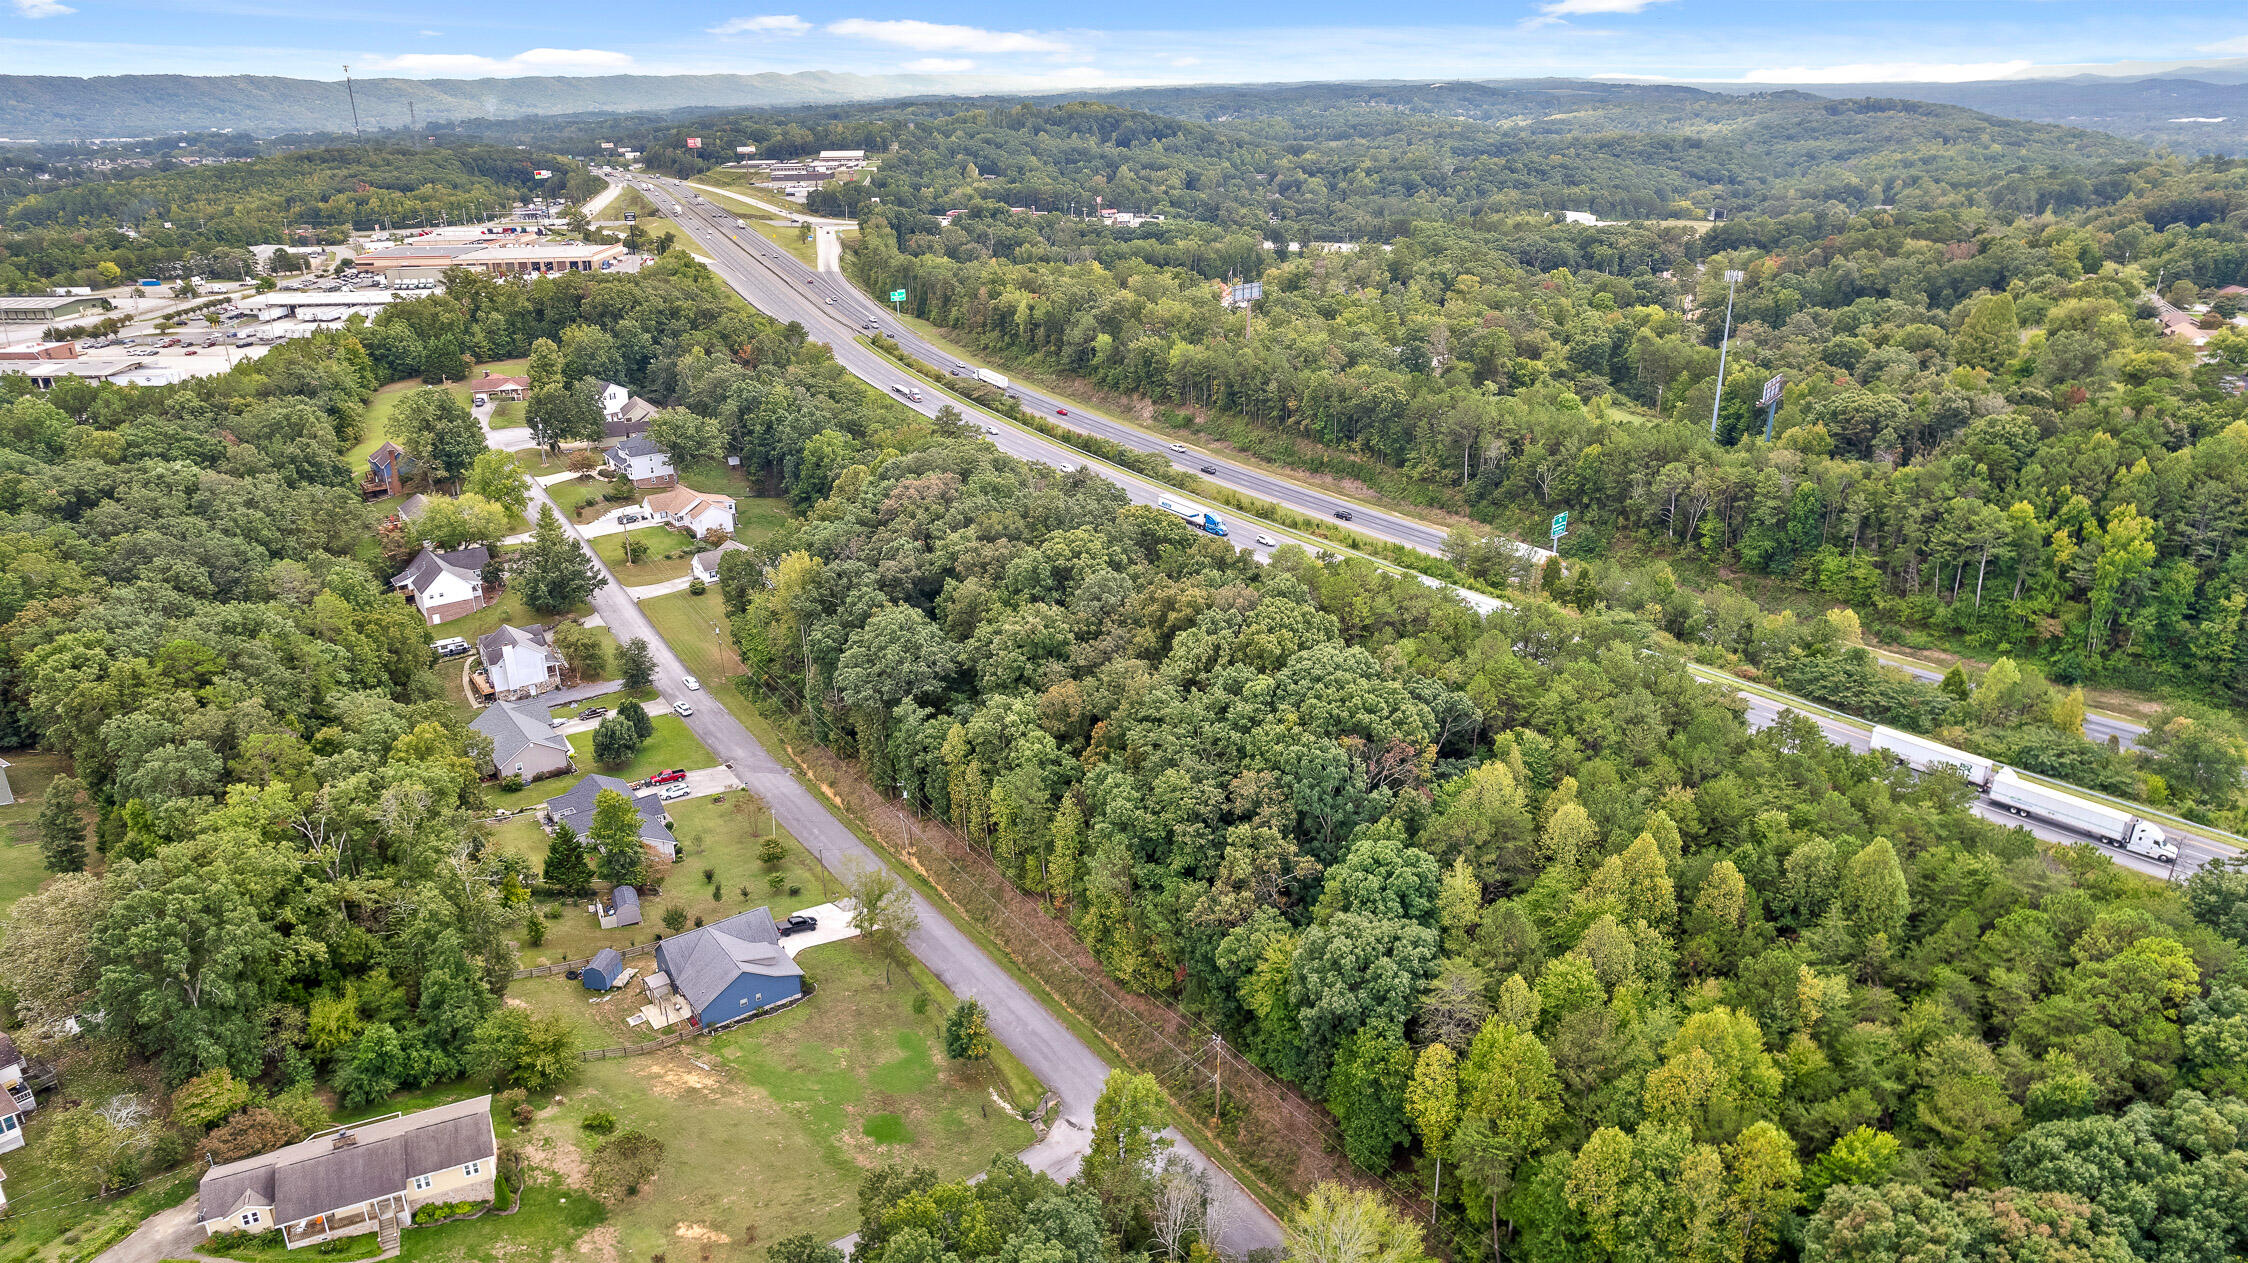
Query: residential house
x: 368, y: 1177
x: 500, y: 387
x: 522, y: 743
x: 388, y: 467
x: 575, y: 809
x: 696, y: 512
x: 620, y: 909
x: 613, y: 400
x: 641, y: 462
x: 520, y: 662
x: 629, y: 421
x: 704, y: 566
x: 16, y: 1100
x: 732, y: 969
x: 446, y: 585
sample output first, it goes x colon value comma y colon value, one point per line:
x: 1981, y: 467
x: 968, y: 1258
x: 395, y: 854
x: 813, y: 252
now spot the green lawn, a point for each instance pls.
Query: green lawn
x: 377, y: 426
x: 671, y: 746
x: 628, y: 199
x: 695, y: 628
x: 789, y: 237
x: 21, y: 867
x: 655, y: 565
x: 508, y: 609
x: 724, y: 837
x: 769, y: 1128
x: 580, y: 499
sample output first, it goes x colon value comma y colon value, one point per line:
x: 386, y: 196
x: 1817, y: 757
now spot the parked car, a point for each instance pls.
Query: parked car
x: 627, y: 519
x: 683, y: 708
x: 594, y: 713
x: 798, y: 924
x: 673, y: 793
x: 450, y: 647
x: 668, y: 775
x: 691, y: 682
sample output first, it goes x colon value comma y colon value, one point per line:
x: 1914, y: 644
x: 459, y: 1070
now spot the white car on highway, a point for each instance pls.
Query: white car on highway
x: 1178, y: 447
x: 691, y: 682
x: 1267, y: 541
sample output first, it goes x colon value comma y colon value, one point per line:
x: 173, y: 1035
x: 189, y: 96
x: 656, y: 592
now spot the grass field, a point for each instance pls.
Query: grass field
x: 724, y: 837
x: 671, y: 746
x: 768, y: 1128
x: 22, y: 869
x: 628, y: 199
x: 687, y: 622
x: 377, y: 427
x: 791, y: 238
x: 654, y: 566
x: 508, y: 609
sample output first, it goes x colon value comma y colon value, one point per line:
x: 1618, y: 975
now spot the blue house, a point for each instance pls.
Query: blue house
x: 731, y: 970
x: 601, y: 973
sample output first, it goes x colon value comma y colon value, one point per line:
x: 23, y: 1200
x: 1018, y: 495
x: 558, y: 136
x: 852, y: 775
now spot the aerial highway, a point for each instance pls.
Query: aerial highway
x: 835, y: 313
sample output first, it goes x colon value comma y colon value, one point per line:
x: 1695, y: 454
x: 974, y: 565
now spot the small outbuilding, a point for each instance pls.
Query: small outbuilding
x: 620, y: 909
x: 601, y: 973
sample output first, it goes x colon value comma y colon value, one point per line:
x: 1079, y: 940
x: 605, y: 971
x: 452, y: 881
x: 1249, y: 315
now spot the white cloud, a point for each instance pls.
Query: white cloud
x: 936, y: 37
x: 1891, y: 72
x: 1584, y: 8
x: 763, y: 24
x: 429, y: 32
x: 41, y: 9
x: 939, y: 65
x: 2237, y: 46
x: 534, y: 61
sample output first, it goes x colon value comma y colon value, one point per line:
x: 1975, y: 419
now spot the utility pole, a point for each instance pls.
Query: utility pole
x: 353, y: 93
x: 413, y: 124
x: 1724, y: 343
x: 1217, y: 1078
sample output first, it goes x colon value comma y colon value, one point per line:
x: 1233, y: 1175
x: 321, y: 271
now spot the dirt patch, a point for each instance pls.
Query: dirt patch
x: 702, y: 1233
x: 560, y: 1157
x: 600, y: 1244
x: 672, y: 1075
x: 519, y: 1003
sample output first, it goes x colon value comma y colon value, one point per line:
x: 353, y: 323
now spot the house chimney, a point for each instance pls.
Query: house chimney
x: 344, y: 1140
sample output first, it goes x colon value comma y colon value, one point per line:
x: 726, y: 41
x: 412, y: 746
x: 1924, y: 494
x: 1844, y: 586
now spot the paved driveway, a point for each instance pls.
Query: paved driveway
x: 835, y: 926
x: 1062, y: 1061
x: 167, y: 1234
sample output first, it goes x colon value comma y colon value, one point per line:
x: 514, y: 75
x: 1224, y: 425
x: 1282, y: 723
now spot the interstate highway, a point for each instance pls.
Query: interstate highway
x: 779, y: 285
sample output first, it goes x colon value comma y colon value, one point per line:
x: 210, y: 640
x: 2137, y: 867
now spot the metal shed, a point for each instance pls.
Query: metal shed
x: 601, y: 973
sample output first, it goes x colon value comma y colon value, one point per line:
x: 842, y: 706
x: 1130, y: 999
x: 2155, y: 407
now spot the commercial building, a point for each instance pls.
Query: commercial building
x: 38, y: 310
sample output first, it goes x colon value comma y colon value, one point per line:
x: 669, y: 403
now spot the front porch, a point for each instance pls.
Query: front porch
x: 384, y: 1215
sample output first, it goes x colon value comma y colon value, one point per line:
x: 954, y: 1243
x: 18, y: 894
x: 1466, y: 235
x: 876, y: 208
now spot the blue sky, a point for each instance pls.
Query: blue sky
x: 1067, y: 45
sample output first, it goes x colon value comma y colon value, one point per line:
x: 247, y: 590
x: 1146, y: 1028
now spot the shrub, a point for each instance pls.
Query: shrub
x: 710, y: 875
x: 534, y: 932
x: 696, y: 587
x: 207, y: 1099
x: 794, y: 889
x: 512, y: 783
x: 599, y: 1122
x: 774, y: 882
x: 675, y: 919
x: 517, y: 1103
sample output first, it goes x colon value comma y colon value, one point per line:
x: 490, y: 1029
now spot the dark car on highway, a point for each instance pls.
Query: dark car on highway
x: 1344, y: 514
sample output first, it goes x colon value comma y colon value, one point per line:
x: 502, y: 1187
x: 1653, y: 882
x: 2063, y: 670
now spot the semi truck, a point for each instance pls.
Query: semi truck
x: 1195, y: 515
x: 990, y: 378
x: 1923, y: 755
x: 2110, y: 825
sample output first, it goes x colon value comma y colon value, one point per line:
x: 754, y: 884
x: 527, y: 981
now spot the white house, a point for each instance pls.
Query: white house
x: 613, y: 400
x: 705, y: 565
x: 696, y: 512
x: 520, y: 662
x: 642, y: 462
x: 446, y: 585
x: 16, y: 1099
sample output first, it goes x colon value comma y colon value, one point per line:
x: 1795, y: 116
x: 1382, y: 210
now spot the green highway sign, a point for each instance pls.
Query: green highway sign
x: 1560, y: 525
x: 897, y: 296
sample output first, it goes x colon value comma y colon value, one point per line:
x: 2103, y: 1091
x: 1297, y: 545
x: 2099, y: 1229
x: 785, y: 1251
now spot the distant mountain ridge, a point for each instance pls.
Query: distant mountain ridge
x: 59, y: 107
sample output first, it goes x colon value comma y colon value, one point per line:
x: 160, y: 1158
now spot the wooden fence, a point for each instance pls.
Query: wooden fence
x: 544, y: 971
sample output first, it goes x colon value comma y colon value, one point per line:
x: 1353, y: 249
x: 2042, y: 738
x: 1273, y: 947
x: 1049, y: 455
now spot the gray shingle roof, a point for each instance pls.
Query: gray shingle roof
x: 576, y: 809
x: 608, y: 962
x: 515, y: 727
x: 638, y: 445
x: 316, y: 1176
x: 626, y: 901
x: 469, y: 563
x: 703, y: 962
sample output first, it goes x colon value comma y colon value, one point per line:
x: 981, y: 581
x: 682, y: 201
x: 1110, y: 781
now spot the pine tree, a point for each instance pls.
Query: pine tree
x: 554, y: 573
x: 566, y: 868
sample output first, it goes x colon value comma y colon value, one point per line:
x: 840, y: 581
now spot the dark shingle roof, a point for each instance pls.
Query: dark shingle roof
x: 637, y: 445
x: 313, y: 1177
x: 703, y: 962
x: 608, y: 962
x: 576, y: 809
x: 626, y: 901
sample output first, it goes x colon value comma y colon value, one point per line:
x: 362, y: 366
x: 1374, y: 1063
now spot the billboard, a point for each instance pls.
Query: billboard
x: 694, y: 142
x: 745, y: 149
x: 541, y: 175
x: 1772, y: 390
x: 608, y: 144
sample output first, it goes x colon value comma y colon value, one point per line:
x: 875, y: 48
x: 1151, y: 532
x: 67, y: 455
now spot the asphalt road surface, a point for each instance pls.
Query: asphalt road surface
x: 836, y: 312
x: 1063, y: 1062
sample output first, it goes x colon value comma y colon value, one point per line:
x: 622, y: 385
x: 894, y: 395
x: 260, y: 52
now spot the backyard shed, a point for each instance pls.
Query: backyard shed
x: 601, y: 973
x: 620, y: 909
